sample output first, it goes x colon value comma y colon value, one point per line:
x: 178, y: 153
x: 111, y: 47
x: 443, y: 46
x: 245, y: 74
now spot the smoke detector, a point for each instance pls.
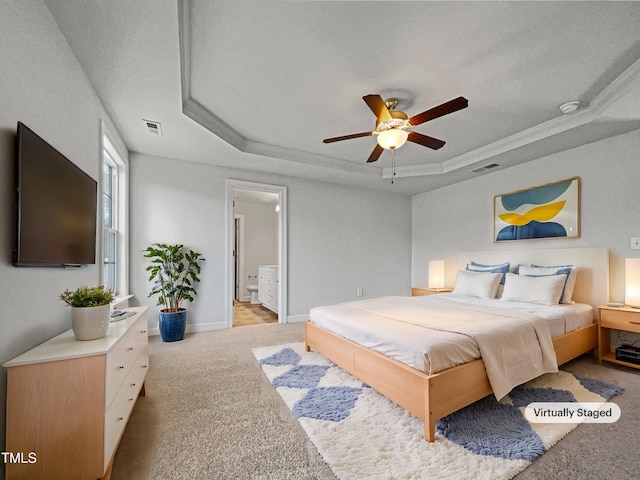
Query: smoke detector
x: 569, y: 107
x: 153, y: 127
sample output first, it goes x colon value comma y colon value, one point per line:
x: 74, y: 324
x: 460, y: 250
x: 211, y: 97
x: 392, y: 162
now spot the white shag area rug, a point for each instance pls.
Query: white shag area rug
x: 363, y: 435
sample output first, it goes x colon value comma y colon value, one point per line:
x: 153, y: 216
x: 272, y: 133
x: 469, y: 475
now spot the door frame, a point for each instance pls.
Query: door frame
x: 231, y: 184
x: 238, y: 264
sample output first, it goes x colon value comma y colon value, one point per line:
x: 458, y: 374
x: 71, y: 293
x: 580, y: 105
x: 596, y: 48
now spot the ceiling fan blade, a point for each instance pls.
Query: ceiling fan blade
x: 375, y: 154
x: 377, y: 106
x: 347, y: 137
x: 425, y: 140
x: 444, y: 109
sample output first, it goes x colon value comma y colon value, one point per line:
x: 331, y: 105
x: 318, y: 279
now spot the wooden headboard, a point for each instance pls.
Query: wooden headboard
x: 592, y: 282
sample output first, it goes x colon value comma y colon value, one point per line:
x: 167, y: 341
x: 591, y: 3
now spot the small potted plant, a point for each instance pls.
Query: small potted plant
x: 90, y: 311
x: 175, y: 270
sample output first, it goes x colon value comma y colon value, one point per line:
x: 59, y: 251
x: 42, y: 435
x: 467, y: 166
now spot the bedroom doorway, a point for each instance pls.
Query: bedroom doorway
x: 238, y: 248
x: 256, y: 243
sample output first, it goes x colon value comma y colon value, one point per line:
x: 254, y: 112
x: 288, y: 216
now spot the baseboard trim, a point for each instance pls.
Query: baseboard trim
x: 207, y: 327
x: 195, y: 328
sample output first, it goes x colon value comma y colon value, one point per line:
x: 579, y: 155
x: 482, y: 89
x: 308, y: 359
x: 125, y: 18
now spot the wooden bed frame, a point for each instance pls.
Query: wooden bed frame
x: 430, y: 397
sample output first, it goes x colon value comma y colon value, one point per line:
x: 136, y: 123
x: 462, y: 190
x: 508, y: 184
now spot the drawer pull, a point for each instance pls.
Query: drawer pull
x: 144, y: 366
x: 133, y: 384
x: 121, y: 367
x: 130, y: 348
x: 131, y: 399
x: 143, y: 331
x: 120, y: 419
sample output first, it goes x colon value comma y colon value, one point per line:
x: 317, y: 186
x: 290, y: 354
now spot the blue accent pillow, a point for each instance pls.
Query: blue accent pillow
x: 502, y: 268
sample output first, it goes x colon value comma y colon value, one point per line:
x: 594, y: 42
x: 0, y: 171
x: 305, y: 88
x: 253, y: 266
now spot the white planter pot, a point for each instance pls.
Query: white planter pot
x: 90, y: 323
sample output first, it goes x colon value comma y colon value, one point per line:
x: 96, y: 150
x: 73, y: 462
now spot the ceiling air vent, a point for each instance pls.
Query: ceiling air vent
x: 153, y: 127
x: 486, y: 167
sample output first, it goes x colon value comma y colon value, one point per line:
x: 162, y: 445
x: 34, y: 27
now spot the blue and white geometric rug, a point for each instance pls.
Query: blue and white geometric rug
x: 363, y: 435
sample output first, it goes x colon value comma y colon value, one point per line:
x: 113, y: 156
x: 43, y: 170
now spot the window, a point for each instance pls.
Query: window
x: 114, y: 227
x: 110, y: 231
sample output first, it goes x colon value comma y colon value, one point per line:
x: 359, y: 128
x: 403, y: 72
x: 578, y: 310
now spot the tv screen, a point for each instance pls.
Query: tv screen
x: 56, y: 207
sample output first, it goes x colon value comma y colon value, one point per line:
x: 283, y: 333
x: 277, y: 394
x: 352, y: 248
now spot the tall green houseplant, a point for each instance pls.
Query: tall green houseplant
x: 175, y: 270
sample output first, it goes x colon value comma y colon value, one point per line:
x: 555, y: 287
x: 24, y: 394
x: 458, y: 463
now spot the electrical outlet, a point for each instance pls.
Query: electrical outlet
x: 635, y: 243
x: 359, y: 292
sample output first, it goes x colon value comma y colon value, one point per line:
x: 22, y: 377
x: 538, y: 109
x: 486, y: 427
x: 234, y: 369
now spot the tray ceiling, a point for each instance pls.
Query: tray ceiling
x: 259, y: 84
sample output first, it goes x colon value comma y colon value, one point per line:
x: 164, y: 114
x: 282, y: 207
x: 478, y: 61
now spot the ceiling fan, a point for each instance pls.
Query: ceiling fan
x: 392, y: 126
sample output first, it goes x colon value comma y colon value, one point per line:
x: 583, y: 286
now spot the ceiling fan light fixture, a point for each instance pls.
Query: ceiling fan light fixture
x: 392, y: 138
x: 392, y: 125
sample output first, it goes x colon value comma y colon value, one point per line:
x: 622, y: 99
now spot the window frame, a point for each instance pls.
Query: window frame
x: 111, y: 155
x: 111, y: 199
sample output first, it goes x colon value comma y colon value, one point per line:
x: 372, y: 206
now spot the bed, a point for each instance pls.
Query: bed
x: 431, y: 393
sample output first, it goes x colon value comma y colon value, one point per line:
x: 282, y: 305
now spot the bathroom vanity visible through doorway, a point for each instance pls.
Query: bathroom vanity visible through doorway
x: 268, y: 286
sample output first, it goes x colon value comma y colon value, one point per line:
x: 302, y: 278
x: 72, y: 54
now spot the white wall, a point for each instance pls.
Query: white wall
x: 42, y: 85
x: 460, y: 217
x: 260, y: 239
x: 340, y: 238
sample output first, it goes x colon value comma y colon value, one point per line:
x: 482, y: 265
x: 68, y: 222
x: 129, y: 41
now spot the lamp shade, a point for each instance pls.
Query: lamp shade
x: 436, y: 274
x: 392, y: 138
x: 632, y: 282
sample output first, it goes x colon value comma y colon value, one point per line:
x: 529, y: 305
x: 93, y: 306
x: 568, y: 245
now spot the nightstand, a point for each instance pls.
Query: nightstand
x: 616, y: 318
x: 422, y: 291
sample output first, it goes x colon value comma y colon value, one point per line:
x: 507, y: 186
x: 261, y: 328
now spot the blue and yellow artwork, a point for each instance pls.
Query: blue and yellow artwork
x: 549, y: 211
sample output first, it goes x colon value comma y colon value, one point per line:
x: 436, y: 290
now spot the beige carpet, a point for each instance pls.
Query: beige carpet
x: 210, y: 413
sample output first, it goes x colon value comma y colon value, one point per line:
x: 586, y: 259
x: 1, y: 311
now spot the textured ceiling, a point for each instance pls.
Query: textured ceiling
x: 259, y: 84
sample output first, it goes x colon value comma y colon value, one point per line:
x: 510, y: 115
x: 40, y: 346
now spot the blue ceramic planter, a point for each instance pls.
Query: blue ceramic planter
x: 172, y: 325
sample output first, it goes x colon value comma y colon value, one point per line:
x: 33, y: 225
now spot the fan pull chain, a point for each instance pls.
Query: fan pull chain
x: 393, y: 165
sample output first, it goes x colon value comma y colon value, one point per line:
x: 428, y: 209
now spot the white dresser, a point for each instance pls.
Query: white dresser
x: 68, y: 401
x: 268, y: 286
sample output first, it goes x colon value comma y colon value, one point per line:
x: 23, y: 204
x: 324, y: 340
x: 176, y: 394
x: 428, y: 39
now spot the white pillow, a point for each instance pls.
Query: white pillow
x: 570, y: 271
x: 545, y: 290
x: 477, y: 284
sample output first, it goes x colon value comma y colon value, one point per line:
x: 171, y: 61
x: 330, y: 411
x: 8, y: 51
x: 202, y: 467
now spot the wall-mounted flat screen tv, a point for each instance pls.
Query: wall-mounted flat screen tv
x: 55, y: 209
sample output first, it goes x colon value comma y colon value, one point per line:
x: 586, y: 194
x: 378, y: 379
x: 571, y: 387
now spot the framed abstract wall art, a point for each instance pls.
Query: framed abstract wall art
x: 549, y: 211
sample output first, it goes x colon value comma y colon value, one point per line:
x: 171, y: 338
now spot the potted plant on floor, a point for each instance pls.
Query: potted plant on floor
x: 175, y: 271
x: 90, y: 311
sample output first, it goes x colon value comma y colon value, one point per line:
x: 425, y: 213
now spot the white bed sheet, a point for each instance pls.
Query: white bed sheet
x: 431, y: 351
x: 561, y: 319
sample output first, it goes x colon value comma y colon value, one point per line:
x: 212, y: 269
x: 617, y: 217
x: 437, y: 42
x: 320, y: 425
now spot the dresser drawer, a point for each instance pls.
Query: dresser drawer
x: 620, y: 320
x: 267, y: 300
x: 117, y: 415
x: 120, y: 360
x: 420, y: 292
x: 270, y: 289
x: 266, y: 290
x: 269, y: 272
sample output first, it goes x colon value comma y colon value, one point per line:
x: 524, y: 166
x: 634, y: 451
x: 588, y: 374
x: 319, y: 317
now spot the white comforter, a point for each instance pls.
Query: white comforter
x: 515, y: 345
